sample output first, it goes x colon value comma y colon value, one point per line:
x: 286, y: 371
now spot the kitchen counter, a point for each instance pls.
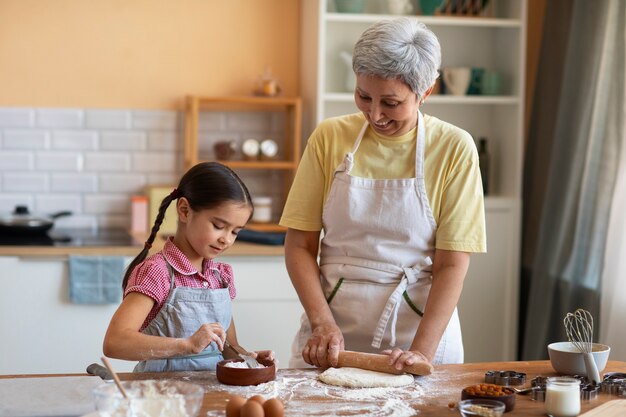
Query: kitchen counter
x: 130, y: 248
x: 431, y: 395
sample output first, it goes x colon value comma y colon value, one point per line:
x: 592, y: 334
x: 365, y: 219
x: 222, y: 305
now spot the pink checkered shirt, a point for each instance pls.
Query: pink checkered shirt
x: 152, y: 277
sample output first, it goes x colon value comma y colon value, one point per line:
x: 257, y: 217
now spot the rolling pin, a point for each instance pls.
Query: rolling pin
x: 380, y: 363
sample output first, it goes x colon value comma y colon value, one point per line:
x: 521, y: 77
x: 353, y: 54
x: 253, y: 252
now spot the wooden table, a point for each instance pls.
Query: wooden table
x: 430, y: 395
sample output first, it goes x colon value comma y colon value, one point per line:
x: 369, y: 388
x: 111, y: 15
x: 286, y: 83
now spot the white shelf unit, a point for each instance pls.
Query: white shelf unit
x: 495, y: 43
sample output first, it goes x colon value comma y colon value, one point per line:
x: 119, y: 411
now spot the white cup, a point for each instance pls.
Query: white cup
x: 457, y: 80
x: 399, y: 6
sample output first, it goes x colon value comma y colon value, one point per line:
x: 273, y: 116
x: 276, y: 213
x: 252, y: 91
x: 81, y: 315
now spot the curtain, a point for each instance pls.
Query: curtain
x: 613, y: 306
x: 571, y: 166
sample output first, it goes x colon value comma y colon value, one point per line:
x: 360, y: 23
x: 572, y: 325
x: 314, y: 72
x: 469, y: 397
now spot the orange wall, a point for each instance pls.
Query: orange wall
x: 142, y: 53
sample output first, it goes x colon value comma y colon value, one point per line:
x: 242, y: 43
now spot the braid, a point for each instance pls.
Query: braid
x: 204, y: 186
x: 157, y: 225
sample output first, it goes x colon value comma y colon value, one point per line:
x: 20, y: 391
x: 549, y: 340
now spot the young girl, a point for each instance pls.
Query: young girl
x: 176, y: 313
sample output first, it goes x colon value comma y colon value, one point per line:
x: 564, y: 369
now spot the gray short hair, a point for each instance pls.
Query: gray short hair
x: 401, y: 48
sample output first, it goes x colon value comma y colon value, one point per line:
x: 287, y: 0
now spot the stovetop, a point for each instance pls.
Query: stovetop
x: 70, y: 237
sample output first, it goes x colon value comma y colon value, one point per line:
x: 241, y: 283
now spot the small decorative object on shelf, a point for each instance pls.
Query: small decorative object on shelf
x: 269, y: 149
x: 250, y: 149
x: 262, y: 209
x: 483, y: 162
x: 463, y: 8
x: 430, y: 7
x: 399, y: 6
x: 350, y: 6
x: 225, y: 149
x: 267, y: 84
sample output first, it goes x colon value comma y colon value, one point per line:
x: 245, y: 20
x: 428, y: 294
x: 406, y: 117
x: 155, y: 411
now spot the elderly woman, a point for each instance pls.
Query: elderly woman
x: 398, y: 195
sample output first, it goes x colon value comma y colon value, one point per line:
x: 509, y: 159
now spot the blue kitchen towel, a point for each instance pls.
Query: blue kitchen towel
x: 96, y: 279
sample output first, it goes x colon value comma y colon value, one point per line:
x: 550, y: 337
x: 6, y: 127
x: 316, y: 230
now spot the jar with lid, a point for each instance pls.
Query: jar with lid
x: 262, y: 209
x: 562, y: 397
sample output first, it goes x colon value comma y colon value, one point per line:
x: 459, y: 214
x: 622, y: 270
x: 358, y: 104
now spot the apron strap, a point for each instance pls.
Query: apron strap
x: 348, y: 161
x: 411, y: 275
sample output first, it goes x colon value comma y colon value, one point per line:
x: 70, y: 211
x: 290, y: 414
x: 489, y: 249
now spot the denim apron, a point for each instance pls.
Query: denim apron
x: 182, y: 314
x: 376, y: 260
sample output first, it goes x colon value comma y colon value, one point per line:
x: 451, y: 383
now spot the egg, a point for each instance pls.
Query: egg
x: 274, y: 408
x: 258, y: 398
x: 251, y: 409
x: 234, y: 405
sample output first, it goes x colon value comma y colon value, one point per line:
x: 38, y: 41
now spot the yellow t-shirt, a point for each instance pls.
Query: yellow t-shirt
x: 451, y: 176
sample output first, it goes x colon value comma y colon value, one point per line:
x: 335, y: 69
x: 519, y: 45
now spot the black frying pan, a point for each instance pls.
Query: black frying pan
x: 23, y: 222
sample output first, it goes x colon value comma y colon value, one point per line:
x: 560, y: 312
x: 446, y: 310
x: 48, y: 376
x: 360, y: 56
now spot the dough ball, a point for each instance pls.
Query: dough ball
x: 362, y: 378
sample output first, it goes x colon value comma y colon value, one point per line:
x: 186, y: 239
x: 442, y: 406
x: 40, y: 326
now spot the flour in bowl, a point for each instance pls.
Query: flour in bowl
x: 242, y: 365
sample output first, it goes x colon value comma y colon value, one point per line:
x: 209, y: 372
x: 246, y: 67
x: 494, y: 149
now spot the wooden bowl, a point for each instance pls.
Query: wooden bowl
x: 245, y: 376
x: 490, y: 392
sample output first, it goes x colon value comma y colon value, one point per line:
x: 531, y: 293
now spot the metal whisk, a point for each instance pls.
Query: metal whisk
x: 579, y: 330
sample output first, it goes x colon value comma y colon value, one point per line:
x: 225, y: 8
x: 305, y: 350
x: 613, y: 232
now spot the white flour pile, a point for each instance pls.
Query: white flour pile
x: 242, y: 365
x: 146, y: 399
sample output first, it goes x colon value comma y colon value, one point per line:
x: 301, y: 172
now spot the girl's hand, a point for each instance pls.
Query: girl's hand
x: 322, y: 348
x: 207, y: 333
x: 267, y: 355
x: 398, y: 358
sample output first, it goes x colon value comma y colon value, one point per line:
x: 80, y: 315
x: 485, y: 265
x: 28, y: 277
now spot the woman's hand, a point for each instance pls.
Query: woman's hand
x: 322, y: 348
x: 207, y: 333
x: 399, y: 358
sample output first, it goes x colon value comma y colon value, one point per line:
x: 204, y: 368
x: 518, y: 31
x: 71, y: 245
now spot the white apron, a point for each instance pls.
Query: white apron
x: 376, y: 261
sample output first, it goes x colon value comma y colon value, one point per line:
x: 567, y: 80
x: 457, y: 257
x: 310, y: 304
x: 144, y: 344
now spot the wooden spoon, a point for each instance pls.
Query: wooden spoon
x: 116, y: 378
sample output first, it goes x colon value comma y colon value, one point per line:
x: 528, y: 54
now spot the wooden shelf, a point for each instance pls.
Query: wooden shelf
x: 286, y: 165
x: 266, y: 227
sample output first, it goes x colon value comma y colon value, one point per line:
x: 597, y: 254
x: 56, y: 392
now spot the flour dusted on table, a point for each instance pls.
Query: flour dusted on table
x: 361, y: 378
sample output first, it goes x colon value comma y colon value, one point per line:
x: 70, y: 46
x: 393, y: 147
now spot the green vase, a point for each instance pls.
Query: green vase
x: 350, y: 6
x: 429, y: 7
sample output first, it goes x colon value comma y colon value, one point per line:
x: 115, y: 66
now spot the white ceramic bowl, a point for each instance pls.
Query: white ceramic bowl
x: 567, y: 360
x: 149, y: 398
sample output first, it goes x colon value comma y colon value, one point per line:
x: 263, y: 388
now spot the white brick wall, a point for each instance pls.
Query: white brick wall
x: 91, y: 161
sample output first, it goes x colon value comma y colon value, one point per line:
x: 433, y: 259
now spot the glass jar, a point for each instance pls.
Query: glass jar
x: 562, y: 397
x: 262, y: 209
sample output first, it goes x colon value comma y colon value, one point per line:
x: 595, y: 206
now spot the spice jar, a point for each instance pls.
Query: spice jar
x: 562, y: 397
x: 262, y: 209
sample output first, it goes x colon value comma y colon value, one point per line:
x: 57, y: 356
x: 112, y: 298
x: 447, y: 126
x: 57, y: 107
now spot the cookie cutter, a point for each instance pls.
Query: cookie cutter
x: 589, y: 391
x: 614, y: 383
x: 538, y: 385
x: 538, y: 393
x: 505, y: 378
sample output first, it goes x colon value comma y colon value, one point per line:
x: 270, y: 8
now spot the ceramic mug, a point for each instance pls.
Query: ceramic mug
x: 399, y: 6
x: 350, y: 6
x: 476, y: 81
x: 457, y: 80
x: 491, y: 83
x: 429, y: 7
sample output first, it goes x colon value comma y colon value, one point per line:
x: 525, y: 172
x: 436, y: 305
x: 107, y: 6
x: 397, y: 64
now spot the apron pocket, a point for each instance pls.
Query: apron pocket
x: 412, y: 305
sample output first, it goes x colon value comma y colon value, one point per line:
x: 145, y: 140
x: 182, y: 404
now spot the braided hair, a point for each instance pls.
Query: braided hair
x: 205, y: 186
